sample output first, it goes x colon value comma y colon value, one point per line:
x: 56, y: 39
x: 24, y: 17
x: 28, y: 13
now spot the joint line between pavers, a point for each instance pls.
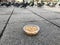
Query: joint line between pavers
x: 44, y: 18
x: 6, y: 24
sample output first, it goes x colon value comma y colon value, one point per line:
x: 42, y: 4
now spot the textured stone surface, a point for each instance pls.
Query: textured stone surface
x: 5, y: 11
x: 14, y: 34
x: 23, y: 15
x: 4, y: 15
x: 49, y: 15
x: 3, y: 20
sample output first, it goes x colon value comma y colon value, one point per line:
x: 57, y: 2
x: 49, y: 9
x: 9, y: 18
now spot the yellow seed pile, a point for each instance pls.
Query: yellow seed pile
x: 31, y: 28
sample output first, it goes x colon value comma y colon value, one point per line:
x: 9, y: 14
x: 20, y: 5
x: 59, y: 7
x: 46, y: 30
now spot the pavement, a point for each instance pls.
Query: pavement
x: 13, y: 21
x: 55, y: 9
x: 4, y: 15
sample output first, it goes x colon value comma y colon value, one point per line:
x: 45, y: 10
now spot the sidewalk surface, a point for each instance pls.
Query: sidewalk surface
x: 48, y: 21
x: 55, y: 9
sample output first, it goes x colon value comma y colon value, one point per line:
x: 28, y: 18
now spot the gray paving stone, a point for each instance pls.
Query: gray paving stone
x: 23, y: 15
x: 5, y: 11
x: 4, y: 15
x: 49, y: 15
x: 46, y: 13
x: 14, y: 34
x: 52, y: 39
x: 20, y: 11
x: 56, y: 21
x: 3, y: 20
x: 1, y: 27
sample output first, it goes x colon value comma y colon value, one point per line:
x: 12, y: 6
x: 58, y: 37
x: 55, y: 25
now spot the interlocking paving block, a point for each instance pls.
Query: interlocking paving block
x: 14, y: 34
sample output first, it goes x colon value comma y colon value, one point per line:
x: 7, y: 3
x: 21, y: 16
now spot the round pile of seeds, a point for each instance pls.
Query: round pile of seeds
x: 31, y: 29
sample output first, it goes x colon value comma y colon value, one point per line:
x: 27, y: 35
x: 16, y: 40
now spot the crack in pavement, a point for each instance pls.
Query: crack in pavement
x: 6, y: 24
